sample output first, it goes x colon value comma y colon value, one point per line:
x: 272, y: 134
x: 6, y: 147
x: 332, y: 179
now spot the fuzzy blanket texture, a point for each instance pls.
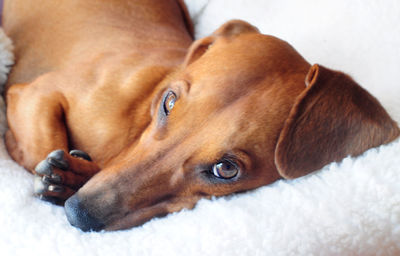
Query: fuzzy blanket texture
x: 347, y: 208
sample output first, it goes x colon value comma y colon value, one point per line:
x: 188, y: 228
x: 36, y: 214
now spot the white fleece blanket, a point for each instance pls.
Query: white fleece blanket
x: 347, y: 208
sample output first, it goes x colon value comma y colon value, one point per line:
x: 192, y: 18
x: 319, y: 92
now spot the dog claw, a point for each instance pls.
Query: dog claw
x: 39, y: 185
x: 55, y: 188
x: 62, y: 165
x: 57, y: 154
x: 53, y: 179
x: 51, y: 199
x: 56, y: 158
x: 80, y: 154
x: 44, y: 168
x: 44, y: 184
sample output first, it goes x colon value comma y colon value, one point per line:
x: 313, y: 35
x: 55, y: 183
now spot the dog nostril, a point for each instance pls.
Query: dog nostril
x: 79, y: 216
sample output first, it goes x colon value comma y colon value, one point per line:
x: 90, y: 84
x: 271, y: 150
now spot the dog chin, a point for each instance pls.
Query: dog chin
x: 138, y: 217
x: 143, y: 215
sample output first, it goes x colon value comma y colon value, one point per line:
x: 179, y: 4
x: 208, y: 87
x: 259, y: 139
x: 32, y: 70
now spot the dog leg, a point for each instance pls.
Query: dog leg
x: 38, y: 131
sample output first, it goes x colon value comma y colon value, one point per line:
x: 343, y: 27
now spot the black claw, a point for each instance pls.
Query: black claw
x: 57, y: 154
x: 44, y: 168
x: 63, y: 165
x: 53, y: 179
x: 55, y: 188
x: 40, y: 185
x: 56, y: 158
x: 80, y: 154
x: 51, y: 199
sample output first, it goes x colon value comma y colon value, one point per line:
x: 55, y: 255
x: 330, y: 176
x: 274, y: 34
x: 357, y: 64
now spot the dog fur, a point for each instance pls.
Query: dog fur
x: 97, y: 78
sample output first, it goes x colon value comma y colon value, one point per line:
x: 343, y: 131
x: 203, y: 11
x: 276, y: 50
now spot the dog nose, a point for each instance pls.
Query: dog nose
x: 79, y: 216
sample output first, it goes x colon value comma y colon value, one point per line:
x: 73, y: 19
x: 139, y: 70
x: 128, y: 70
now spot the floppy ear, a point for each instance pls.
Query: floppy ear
x: 332, y: 118
x: 228, y: 30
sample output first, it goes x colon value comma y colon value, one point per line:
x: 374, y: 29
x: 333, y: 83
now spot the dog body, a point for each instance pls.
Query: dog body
x: 71, y: 59
x: 166, y: 120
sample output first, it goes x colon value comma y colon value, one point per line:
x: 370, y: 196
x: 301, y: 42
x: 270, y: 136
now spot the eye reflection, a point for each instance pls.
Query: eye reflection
x: 169, y: 102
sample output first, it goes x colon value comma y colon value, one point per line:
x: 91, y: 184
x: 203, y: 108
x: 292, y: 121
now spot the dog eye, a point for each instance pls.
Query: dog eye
x: 169, y: 102
x: 225, y: 169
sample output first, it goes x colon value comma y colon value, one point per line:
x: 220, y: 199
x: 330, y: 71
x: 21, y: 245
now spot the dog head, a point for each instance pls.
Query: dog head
x: 245, y: 110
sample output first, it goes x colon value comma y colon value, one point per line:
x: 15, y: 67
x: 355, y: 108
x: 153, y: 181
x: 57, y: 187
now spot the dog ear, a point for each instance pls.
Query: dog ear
x: 233, y: 28
x: 332, y: 118
x: 228, y: 30
x: 197, y: 49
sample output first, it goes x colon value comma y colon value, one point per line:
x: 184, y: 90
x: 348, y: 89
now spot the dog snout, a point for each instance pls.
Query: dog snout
x: 80, y: 217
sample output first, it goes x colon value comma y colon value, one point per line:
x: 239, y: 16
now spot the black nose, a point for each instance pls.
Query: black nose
x: 79, y: 216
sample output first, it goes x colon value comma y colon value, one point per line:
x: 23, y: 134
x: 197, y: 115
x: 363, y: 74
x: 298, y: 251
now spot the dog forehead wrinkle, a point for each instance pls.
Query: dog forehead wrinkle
x: 216, y: 100
x: 248, y: 52
x: 246, y: 127
x: 218, y: 89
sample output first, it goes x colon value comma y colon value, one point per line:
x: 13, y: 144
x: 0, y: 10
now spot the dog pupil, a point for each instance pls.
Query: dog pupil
x: 225, y: 168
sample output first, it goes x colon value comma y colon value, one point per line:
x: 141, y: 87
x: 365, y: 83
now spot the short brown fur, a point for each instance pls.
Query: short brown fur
x: 93, y: 75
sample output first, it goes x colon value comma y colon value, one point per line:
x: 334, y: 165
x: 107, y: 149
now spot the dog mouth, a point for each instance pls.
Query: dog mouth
x: 137, y: 218
x: 87, y: 219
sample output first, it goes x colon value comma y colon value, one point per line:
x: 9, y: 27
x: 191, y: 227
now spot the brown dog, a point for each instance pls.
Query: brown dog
x: 167, y: 121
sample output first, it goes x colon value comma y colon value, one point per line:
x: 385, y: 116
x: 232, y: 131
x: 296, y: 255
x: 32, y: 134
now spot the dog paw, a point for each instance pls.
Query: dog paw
x: 60, y: 175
